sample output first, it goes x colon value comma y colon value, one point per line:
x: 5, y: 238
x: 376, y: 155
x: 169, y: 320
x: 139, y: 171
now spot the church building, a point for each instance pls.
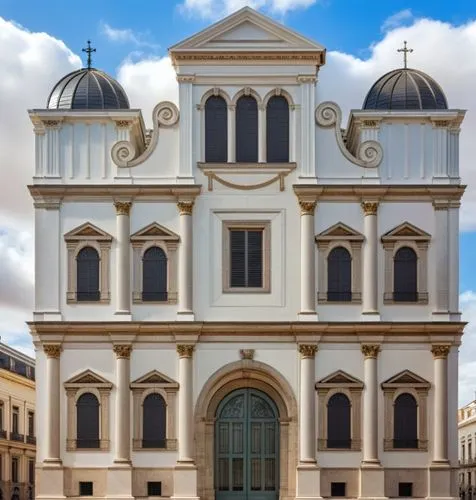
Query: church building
x: 252, y: 300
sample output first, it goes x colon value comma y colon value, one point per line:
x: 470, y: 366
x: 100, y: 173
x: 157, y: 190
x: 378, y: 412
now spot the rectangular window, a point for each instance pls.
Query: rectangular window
x: 15, y: 419
x: 470, y: 451
x: 85, y: 489
x: 246, y: 257
x: 469, y: 478
x: 154, y: 488
x: 1, y: 416
x: 338, y: 489
x: 405, y: 489
x: 31, y: 423
x: 15, y: 469
x: 462, y: 452
x: 31, y: 471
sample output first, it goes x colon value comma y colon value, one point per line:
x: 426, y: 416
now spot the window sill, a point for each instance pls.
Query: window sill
x: 355, y: 445
x: 422, y: 446
x: 246, y: 290
x: 422, y: 299
x: 171, y: 445
x: 247, y: 166
x: 355, y: 299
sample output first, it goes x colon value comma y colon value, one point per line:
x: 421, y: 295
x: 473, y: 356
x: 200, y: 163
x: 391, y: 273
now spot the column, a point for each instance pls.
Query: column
x: 370, y: 260
x: 370, y: 427
x: 440, y: 410
x: 308, y: 271
x: 308, y: 126
x: 185, y: 270
x: 231, y: 138
x: 453, y: 260
x: 307, y: 405
x: 186, y: 125
x: 185, y: 404
x: 52, y: 429
x: 441, y: 304
x: 123, y: 425
x: 123, y: 272
x: 261, y: 134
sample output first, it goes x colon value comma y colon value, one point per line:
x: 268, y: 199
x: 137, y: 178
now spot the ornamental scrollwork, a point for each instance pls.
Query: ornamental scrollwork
x: 370, y: 351
x: 370, y: 153
x: 307, y: 350
x: 185, y: 351
x: 122, y: 351
x: 167, y: 114
x: 440, y: 351
x: 247, y: 353
x: 52, y: 350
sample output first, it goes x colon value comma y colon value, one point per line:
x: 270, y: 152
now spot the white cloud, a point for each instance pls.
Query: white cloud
x: 394, y: 21
x: 128, y: 36
x: 215, y: 9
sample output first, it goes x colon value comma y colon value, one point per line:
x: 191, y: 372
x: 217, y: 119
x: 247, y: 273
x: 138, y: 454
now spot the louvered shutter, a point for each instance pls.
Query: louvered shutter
x: 277, y: 130
x: 154, y: 422
x: 339, y: 275
x: 87, y: 275
x: 255, y: 259
x: 338, y: 422
x: 405, y: 422
x: 154, y: 275
x: 87, y: 421
x: 216, y: 130
x: 405, y: 276
x: 247, y: 130
x: 237, y: 257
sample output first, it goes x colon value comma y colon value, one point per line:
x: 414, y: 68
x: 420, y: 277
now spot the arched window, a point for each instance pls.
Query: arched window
x: 154, y: 275
x: 216, y: 130
x: 277, y: 130
x: 247, y: 129
x: 405, y: 422
x: 405, y: 275
x: 87, y: 263
x: 87, y: 421
x: 154, y: 422
x: 339, y: 275
x: 338, y: 421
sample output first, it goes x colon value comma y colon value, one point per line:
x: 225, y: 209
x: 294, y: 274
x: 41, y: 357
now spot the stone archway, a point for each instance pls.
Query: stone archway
x: 246, y: 374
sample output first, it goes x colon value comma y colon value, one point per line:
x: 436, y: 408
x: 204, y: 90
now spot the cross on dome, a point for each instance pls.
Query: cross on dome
x: 405, y: 52
x: 88, y: 51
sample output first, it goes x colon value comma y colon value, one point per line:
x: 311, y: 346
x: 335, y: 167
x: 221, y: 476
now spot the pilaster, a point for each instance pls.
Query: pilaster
x: 123, y: 273
x: 185, y: 173
x: 231, y: 138
x: 370, y: 262
x: 123, y: 404
x: 308, y: 126
x: 185, y: 258
x: 261, y: 134
x: 442, y: 255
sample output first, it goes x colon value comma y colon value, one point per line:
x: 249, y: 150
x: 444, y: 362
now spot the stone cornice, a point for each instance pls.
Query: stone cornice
x: 16, y: 379
x: 388, y: 193
x: 298, y: 57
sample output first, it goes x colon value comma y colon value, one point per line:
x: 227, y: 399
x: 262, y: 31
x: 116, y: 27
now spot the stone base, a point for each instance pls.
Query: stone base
x: 370, y: 316
x: 308, y: 482
x: 304, y: 316
x: 372, y: 481
x: 122, y: 316
x: 185, y: 482
x: 439, y: 482
x: 185, y: 316
x: 119, y: 482
x: 47, y: 316
x: 51, y: 482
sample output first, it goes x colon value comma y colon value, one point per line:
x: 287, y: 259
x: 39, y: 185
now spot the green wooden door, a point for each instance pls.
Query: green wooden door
x: 247, y: 447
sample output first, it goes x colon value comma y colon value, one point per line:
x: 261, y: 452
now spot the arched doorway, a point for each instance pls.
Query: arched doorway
x: 247, y: 447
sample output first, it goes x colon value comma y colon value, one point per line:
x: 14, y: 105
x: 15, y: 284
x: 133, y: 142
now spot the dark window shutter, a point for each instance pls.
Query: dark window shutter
x: 87, y: 409
x: 405, y: 422
x: 339, y: 275
x: 277, y: 130
x: 247, y: 130
x: 154, y: 275
x: 237, y: 258
x: 255, y: 259
x: 87, y: 263
x: 246, y: 251
x: 154, y: 422
x: 216, y: 130
x: 338, y: 421
x: 405, y: 276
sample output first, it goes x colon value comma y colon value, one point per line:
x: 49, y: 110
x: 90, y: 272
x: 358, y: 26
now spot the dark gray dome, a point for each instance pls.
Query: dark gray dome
x: 88, y: 88
x: 405, y: 89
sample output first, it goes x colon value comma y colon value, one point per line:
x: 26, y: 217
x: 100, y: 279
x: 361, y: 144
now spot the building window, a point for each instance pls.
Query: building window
x: 88, y: 264
x: 339, y: 264
x: 154, y: 275
x: 339, y: 415
x: 85, y: 489
x: 338, y: 489
x: 88, y: 412
x: 406, y: 257
x: 216, y: 130
x: 154, y: 265
x: 247, y: 129
x: 405, y: 412
x: 154, y: 407
x: 339, y: 275
x: 405, y: 489
x: 462, y: 452
x: 15, y: 419
x: 277, y: 130
x: 31, y: 424
x: 31, y: 471
x: 405, y: 422
x: 15, y: 469
x: 470, y: 451
x: 2, y: 427
x: 154, y: 488
x: 154, y: 421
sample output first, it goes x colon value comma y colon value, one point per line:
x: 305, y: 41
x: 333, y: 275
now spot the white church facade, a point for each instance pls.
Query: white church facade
x: 247, y: 301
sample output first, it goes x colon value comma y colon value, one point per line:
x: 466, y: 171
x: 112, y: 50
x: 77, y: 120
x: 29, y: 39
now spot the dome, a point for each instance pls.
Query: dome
x: 405, y: 89
x: 88, y: 89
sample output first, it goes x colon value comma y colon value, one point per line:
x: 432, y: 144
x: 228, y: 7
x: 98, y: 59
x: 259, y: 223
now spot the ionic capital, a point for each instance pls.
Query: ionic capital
x: 440, y: 351
x: 307, y: 207
x: 307, y: 350
x: 123, y: 351
x: 52, y: 350
x: 185, y: 207
x: 185, y: 351
x: 370, y: 351
x: 122, y: 207
x: 370, y: 207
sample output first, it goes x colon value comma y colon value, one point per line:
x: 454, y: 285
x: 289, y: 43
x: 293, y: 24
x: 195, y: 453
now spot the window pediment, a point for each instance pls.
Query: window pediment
x: 155, y: 379
x: 339, y: 378
x: 155, y: 231
x: 87, y: 378
x: 405, y: 232
x: 339, y: 231
x: 406, y: 378
x: 87, y: 231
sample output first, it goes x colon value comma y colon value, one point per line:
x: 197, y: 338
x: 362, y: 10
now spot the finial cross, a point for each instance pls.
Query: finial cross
x: 405, y: 52
x: 89, y: 51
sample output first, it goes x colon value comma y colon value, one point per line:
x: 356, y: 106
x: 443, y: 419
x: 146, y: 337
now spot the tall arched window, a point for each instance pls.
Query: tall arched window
x: 154, y: 275
x: 154, y: 421
x: 338, y: 421
x: 247, y: 129
x: 277, y: 130
x: 216, y: 130
x: 339, y: 275
x: 405, y: 287
x: 405, y: 422
x: 87, y: 262
x: 87, y: 421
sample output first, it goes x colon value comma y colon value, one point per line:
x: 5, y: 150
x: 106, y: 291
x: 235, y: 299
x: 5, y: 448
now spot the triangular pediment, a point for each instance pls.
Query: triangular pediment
x: 87, y: 231
x: 406, y: 377
x: 406, y: 231
x: 246, y: 29
x: 155, y: 231
x: 339, y: 377
x: 154, y: 377
x: 88, y: 377
x: 339, y: 231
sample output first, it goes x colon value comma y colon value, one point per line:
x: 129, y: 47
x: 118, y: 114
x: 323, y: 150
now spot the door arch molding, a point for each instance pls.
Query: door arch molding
x: 238, y: 375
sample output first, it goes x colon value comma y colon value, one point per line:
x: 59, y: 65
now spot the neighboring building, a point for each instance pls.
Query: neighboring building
x: 247, y: 302
x: 467, y: 450
x: 17, y: 425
